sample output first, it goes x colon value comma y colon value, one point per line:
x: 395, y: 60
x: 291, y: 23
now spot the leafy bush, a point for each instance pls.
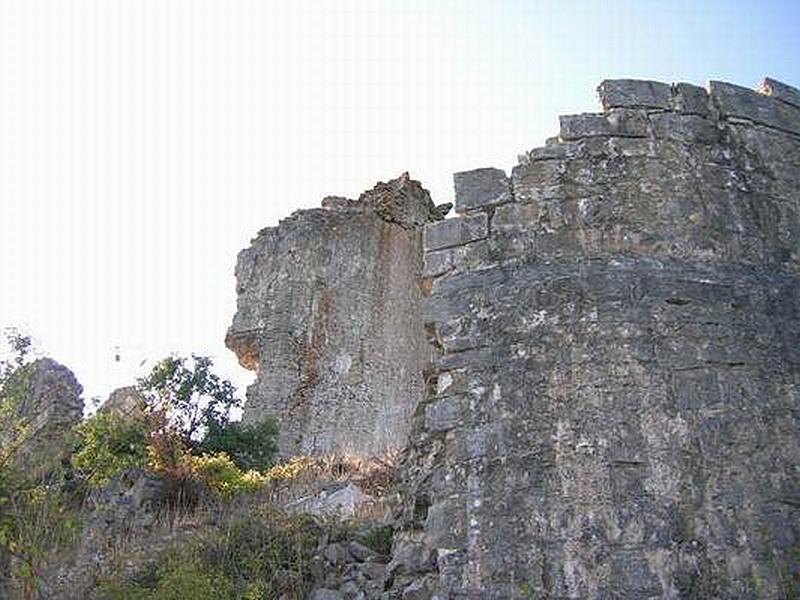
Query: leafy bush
x: 193, y: 436
x: 35, y: 513
x: 107, y: 443
x: 291, y: 469
x: 14, y: 389
x: 222, y: 475
x: 20, y: 346
x: 379, y: 539
x: 184, y: 432
x: 249, y: 446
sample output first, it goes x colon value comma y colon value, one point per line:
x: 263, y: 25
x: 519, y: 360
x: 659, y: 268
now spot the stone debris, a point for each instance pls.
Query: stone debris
x: 348, y: 570
x: 402, y: 201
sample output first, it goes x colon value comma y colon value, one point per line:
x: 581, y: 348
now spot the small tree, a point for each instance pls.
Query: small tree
x: 20, y: 346
x: 194, y: 406
x: 193, y: 397
x: 14, y: 387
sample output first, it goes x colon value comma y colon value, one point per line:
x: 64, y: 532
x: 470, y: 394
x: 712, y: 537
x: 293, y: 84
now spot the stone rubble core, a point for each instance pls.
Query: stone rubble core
x: 593, y: 366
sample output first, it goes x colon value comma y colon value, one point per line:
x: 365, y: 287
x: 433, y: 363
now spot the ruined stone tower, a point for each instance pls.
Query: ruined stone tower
x: 593, y: 367
x: 330, y: 315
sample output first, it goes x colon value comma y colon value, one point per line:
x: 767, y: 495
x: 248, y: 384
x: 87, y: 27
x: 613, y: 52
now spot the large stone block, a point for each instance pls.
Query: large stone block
x: 687, y: 128
x: 445, y: 414
x: 742, y: 103
x: 455, y: 232
x: 475, y: 255
x: 618, y: 122
x: 539, y: 180
x: 48, y: 405
x: 632, y: 93
x: 575, y: 127
x: 515, y: 216
x: 481, y: 188
x: 781, y: 91
x: 690, y: 99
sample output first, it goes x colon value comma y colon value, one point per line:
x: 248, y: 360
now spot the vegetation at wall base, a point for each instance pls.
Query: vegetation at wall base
x: 255, y: 556
x: 184, y: 433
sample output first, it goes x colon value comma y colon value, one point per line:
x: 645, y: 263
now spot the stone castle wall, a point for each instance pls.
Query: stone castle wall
x: 595, y: 368
x: 613, y: 405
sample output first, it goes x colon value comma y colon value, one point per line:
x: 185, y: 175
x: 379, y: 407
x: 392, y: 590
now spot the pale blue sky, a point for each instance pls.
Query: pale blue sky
x: 143, y: 143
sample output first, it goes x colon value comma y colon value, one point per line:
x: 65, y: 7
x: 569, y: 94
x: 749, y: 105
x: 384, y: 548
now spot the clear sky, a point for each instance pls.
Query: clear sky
x: 144, y: 142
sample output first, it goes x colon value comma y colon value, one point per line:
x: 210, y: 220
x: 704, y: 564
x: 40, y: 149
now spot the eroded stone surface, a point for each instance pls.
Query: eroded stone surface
x: 456, y: 232
x: 612, y: 407
x: 738, y: 102
x: 481, y: 188
x: 126, y: 402
x: 781, y: 91
x: 50, y: 404
x: 329, y: 314
x: 633, y: 93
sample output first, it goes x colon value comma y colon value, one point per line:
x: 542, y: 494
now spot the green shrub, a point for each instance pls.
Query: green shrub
x: 192, y: 405
x: 35, y: 509
x: 122, y: 590
x: 265, y: 551
x: 107, y: 443
x: 180, y: 576
x: 222, y: 475
x: 15, y: 429
x: 249, y: 446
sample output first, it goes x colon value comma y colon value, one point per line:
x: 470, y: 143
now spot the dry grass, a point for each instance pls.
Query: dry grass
x: 376, y: 475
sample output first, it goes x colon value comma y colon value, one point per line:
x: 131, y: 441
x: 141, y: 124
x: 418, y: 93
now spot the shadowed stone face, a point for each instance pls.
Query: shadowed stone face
x: 329, y: 316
